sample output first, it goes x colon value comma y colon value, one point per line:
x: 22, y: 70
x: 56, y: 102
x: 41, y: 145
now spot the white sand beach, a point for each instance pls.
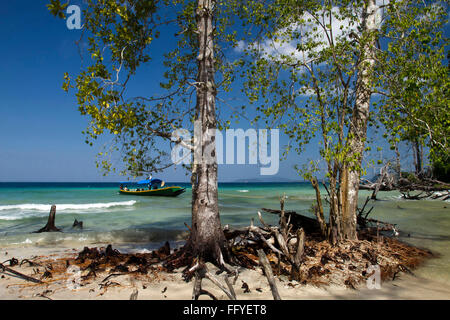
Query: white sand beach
x: 172, y: 286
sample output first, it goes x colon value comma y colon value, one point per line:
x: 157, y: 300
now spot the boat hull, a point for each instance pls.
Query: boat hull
x: 162, y: 192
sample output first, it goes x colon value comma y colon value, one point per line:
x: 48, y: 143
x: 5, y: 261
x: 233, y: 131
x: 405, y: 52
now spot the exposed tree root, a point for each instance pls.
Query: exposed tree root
x: 269, y: 274
x: 202, y: 272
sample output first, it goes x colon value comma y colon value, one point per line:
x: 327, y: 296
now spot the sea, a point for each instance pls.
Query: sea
x: 147, y: 222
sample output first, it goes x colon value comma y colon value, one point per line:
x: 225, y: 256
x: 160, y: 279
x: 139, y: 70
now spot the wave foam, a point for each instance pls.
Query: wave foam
x: 65, y: 207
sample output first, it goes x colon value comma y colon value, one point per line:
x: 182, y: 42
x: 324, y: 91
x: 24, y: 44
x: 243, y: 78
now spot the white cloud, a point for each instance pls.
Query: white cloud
x: 240, y: 46
x: 309, y: 30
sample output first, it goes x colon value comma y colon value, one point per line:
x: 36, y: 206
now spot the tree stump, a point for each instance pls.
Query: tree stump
x: 50, y: 226
x: 77, y: 224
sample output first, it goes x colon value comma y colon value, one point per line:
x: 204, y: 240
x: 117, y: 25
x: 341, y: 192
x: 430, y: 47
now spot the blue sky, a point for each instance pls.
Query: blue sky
x: 40, y: 126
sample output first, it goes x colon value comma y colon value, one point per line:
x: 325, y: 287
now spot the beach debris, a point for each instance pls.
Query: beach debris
x: 308, y: 224
x: 108, y: 284
x: 47, y: 274
x: 12, y: 262
x: 245, y: 287
x: 77, y: 224
x: 419, y: 196
x: 113, y: 275
x: 93, y: 262
x: 50, y: 226
x: 164, y: 250
x: 30, y: 263
x: 386, y: 181
x: 44, y: 294
x: 307, y: 258
x: 164, y: 290
x: 312, y: 227
x: 350, y: 283
x: 12, y: 272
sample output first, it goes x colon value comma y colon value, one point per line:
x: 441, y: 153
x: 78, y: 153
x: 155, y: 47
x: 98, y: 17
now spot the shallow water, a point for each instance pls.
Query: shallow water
x: 109, y: 217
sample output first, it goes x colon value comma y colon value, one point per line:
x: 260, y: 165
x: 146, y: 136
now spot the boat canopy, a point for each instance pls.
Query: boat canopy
x: 146, y: 181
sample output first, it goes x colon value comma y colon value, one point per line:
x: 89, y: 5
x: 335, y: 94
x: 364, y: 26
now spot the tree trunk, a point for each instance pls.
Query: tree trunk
x: 335, y: 209
x: 418, y: 156
x: 318, y: 210
x: 350, y: 174
x: 50, y: 226
x: 398, y: 166
x: 207, y: 238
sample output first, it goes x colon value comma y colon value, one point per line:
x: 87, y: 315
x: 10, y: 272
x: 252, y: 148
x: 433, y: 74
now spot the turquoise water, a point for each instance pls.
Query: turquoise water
x: 109, y: 217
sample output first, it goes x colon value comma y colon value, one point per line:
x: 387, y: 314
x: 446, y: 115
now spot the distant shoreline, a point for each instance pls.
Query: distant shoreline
x: 171, y: 182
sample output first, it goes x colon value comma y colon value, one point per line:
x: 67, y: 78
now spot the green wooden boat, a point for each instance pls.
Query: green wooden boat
x: 164, y: 192
x: 153, y: 187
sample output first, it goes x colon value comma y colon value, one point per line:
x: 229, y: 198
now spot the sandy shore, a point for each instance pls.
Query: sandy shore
x: 171, y: 286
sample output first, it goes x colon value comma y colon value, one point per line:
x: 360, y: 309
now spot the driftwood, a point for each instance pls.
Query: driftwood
x: 429, y: 194
x: 269, y: 274
x: 419, y: 196
x: 50, y: 226
x: 441, y: 195
x: 312, y: 226
x: 12, y: 262
x: 423, y: 184
x: 308, y: 224
x: 18, y: 274
x: 385, y: 182
x: 388, y: 182
x: 77, y: 224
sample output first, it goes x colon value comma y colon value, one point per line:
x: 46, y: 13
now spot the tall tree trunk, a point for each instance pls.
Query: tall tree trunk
x: 398, y: 166
x: 418, y: 156
x: 350, y: 174
x: 318, y: 210
x: 207, y: 238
